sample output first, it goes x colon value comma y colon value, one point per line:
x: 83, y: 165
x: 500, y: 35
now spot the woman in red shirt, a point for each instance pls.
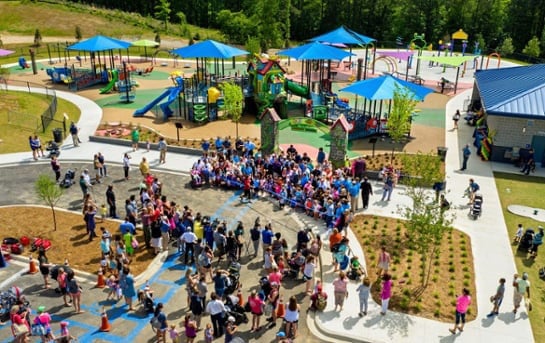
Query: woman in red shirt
x: 256, y: 307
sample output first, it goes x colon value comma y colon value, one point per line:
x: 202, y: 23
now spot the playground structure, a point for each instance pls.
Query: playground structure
x: 268, y: 85
x: 171, y: 94
x: 77, y: 79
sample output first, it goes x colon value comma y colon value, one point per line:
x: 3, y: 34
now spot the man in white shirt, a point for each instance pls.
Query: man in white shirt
x: 188, y: 238
x: 522, y: 286
x: 216, y: 308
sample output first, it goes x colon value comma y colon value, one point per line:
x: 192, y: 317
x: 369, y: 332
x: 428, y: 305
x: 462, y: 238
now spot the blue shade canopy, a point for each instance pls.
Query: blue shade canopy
x: 383, y: 88
x: 315, y: 51
x: 99, y: 43
x: 343, y: 35
x: 209, y: 49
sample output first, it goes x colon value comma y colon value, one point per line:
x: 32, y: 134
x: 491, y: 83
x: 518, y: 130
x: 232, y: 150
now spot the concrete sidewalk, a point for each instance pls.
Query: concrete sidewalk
x: 492, y: 255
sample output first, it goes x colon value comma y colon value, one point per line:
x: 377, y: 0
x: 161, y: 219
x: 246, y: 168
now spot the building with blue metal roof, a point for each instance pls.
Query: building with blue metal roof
x: 514, y: 102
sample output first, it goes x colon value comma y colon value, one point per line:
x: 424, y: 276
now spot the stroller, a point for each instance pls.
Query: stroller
x: 69, y: 178
x: 235, y: 310
x: 9, y: 298
x: 196, y: 179
x: 233, y: 279
x: 526, y: 241
x: 476, y: 207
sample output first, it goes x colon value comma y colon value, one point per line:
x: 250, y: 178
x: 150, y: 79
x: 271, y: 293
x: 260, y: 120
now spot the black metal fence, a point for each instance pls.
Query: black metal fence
x: 27, y: 121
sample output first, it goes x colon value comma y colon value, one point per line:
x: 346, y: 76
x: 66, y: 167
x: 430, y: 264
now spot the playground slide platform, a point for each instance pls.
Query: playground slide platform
x: 141, y: 111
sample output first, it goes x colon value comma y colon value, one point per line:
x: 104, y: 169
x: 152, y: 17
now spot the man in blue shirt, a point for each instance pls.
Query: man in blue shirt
x: 466, y: 152
x: 321, y: 156
x: 267, y: 236
x: 354, y: 191
x: 127, y: 226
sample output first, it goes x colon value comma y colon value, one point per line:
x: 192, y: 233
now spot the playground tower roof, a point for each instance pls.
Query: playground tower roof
x: 515, y: 92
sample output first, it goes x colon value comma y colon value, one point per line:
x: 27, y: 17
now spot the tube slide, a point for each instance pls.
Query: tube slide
x: 108, y: 88
x: 174, y: 93
x: 297, y: 89
x: 140, y: 112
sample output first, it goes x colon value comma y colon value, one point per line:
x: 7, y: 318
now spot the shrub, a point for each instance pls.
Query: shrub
x: 404, y: 303
x: 406, y: 292
x: 406, y: 274
x: 435, y: 295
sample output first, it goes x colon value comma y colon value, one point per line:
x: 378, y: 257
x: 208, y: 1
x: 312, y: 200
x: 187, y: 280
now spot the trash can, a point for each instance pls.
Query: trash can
x: 442, y: 153
x: 57, y: 135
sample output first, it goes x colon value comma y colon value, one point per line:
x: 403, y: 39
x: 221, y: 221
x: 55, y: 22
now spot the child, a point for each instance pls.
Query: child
x: 518, y: 235
x: 190, y: 328
x: 148, y: 145
x: 356, y: 269
x: 113, y: 285
x: 65, y: 333
x: 363, y: 292
x: 174, y: 334
x: 208, y: 333
x: 103, y: 212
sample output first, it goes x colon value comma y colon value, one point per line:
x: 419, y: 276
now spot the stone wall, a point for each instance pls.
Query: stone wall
x: 510, y: 133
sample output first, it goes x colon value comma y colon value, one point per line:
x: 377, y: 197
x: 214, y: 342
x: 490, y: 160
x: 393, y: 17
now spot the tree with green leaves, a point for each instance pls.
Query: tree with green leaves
x: 157, y: 38
x: 426, y: 223
x: 532, y: 48
x: 507, y: 47
x: 78, y: 34
x: 37, y: 38
x: 162, y: 12
x: 49, y: 192
x: 234, y: 100
x: 252, y: 46
x: 399, y: 119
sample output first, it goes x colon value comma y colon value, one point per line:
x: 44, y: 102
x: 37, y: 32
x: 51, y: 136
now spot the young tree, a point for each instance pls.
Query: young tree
x: 426, y: 223
x: 49, y: 192
x: 37, y: 38
x: 234, y: 100
x: 157, y: 38
x: 78, y: 35
x: 532, y: 48
x: 507, y: 47
x: 162, y: 12
x: 399, y: 120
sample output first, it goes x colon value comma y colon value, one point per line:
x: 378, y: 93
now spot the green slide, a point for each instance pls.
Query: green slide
x: 297, y: 89
x: 110, y: 85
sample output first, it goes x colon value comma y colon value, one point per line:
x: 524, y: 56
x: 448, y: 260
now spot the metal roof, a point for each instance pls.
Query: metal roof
x: 516, y: 92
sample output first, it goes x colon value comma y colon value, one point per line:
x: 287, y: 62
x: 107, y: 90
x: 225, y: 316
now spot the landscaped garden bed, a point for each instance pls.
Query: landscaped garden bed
x: 451, y: 268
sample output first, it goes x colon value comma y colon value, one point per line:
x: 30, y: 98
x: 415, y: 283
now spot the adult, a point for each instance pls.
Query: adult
x: 204, y: 261
x: 189, y: 239
x: 38, y: 144
x: 388, y: 187
x: 103, y: 170
x: 162, y: 146
x: 466, y: 152
x: 61, y: 279
x: 196, y: 306
x: 135, y: 138
x: 318, y: 299
x: 320, y: 158
x: 537, y: 240
x: 385, y: 292
x: 308, y: 273
x: 255, y: 235
x: 239, y: 239
x: 156, y: 237
x: 473, y: 188
x: 273, y: 299
x: 161, y: 331
x: 354, y: 191
x: 291, y: 318
x: 359, y: 167
x: 216, y: 308
x: 230, y: 329
x: 456, y: 118
x: 126, y: 165
x: 340, y: 290
x: 44, y: 319
x: 56, y: 167
x: 267, y: 236
x: 278, y: 245
x: 383, y: 261
x: 74, y: 133
x: 127, y: 226
x: 363, y: 294
x: 74, y: 290
x: 275, y: 275
x: 462, y: 304
x: 522, y: 286
x: 316, y: 246
x: 110, y: 199
x: 497, y: 298
x: 128, y: 289
x: 256, y: 308
x: 529, y: 163
x: 220, y: 283
x: 144, y: 167
x: 44, y: 266
x: 33, y: 148
x: 303, y: 238
x: 97, y: 166
x: 90, y: 222
x: 20, y: 327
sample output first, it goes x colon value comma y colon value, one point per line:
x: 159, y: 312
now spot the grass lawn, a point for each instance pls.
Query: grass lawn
x: 451, y: 270
x: 528, y: 191
x: 14, y: 131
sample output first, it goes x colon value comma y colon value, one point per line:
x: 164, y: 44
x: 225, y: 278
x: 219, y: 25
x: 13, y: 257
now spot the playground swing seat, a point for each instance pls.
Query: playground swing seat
x: 147, y: 71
